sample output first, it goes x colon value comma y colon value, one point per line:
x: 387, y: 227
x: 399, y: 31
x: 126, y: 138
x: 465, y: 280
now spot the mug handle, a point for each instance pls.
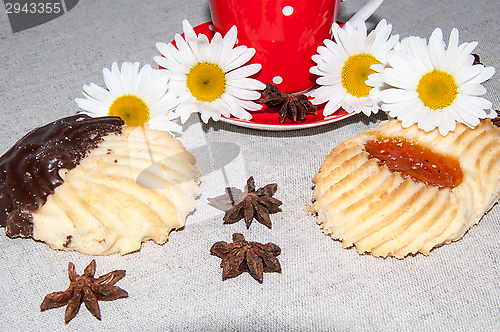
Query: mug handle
x: 366, y: 11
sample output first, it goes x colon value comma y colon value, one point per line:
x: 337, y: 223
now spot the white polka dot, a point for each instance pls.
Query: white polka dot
x: 287, y: 10
x: 277, y: 79
x: 211, y: 27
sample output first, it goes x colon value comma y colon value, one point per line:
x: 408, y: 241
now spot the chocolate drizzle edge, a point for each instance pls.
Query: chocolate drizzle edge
x: 29, y: 170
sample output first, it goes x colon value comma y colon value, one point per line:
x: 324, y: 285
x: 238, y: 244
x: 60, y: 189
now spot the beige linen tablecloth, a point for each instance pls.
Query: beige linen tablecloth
x: 178, y: 286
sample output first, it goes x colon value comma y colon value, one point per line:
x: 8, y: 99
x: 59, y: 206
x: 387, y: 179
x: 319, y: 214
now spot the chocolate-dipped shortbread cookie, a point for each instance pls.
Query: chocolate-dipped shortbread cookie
x: 96, y: 186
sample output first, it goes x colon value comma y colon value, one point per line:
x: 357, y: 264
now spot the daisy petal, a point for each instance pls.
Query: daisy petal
x: 244, y: 71
x: 93, y: 107
x: 96, y: 92
x: 240, y: 60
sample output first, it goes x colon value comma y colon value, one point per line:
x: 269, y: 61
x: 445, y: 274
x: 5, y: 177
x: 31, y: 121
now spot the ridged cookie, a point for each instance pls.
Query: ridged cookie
x: 128, y: 186
x: 448, y: 183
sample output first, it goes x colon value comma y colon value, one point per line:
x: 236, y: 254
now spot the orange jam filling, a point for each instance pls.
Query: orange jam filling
x: 413, y: 160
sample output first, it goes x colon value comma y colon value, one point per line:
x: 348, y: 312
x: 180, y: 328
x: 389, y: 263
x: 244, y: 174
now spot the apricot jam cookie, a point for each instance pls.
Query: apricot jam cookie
x: 394, y: 191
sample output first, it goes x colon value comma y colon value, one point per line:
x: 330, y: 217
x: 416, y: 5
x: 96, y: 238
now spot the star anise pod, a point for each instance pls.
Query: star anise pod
x: 293, y: 107
x: 252, y: 203
x: 242, y: 256
x: 86, y: 289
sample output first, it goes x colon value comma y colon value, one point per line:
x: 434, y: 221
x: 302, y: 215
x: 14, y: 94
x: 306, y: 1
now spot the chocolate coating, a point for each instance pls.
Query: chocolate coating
x: 29, y: 171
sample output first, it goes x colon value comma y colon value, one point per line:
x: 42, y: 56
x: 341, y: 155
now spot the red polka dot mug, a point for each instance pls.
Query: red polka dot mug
x: 285, y: 34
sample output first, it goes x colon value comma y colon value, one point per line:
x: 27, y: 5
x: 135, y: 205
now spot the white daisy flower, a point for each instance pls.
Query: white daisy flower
x: 433, y: 86
x: 210, y: 77
x: 137, y: 97
x: 343, y: 67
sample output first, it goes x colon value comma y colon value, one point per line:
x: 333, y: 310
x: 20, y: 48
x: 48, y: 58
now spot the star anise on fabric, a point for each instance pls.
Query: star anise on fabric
x: 248, y: 205
x: 293, y: 107
x: 242, y: 256
x: 86, y: 289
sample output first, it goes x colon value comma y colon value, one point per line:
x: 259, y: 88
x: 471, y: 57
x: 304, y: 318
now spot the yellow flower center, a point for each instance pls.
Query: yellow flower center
x: 131, y: 109
x: 437, y: 89
x: 206, y: 81
x: 355, y: 72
